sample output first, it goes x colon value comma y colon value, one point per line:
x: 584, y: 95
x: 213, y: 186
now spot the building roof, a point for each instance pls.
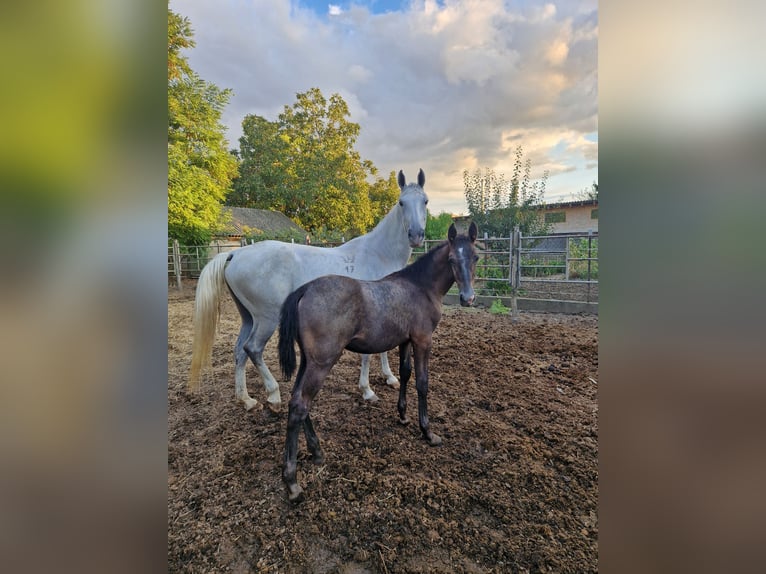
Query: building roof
x: 245, y: 220
x: 565, y: 204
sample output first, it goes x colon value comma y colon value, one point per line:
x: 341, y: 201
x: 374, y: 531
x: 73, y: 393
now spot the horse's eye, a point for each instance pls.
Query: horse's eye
x: 401, y: 204
x: 426, y: 201
x: 475, y: 258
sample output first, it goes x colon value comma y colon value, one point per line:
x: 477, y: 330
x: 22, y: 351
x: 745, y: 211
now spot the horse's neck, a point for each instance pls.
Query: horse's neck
x: 388, y: 239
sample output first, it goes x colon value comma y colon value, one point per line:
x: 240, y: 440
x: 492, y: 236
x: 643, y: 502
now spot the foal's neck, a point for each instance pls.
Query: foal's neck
x: 432, y: 272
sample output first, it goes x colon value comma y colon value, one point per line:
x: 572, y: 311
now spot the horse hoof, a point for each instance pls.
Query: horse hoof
x: 394, y: 384
x: 372, y: 399
x: 404, y: 421
x: 434, y: 440
x: 318, y: 459
x: 294, y: 493
x: 275, y: 408
x: 250, y: 404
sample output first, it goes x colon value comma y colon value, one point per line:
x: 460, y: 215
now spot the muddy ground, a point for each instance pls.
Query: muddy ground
x: 513, y: 488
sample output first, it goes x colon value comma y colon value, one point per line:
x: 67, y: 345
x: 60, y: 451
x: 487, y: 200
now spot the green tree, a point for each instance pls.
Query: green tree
x: 497, y: 205
x: 304, y: 164
x: 200, y: 168
x: 589, y: 193
x: 437, y: 226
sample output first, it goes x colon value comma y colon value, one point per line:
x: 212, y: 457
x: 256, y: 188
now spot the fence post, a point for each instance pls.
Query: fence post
x: 177, y: 263
x: 515, y: 272
x: 590, y: 254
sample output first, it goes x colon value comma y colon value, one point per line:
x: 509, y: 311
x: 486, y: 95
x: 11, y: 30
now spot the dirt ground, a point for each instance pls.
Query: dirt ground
x: 513, y: 487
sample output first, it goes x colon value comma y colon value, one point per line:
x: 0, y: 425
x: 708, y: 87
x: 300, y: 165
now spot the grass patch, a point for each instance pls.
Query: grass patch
x: 498, y: 308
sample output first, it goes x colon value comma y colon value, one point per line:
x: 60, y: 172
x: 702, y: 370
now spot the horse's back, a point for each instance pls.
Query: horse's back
x: 363, y: 316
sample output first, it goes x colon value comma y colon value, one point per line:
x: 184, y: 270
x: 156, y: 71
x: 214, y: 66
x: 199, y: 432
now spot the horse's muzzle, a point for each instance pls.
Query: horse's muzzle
x: 467, y: 301
x: 416, y: 238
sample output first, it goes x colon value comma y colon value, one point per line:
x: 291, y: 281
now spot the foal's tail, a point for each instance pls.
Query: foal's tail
x: 206, y: 309
x: 288, y: 331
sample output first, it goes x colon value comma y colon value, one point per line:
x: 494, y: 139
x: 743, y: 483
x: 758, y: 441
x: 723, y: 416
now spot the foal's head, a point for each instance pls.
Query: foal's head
x: 462, y: 260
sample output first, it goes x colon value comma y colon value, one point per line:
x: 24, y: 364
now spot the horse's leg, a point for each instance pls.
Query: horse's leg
x: 364, y: 380
x: 312, y: 441
x: 297, y: 410
x: 421, y: 353
x: 405, y: 370
x: 391, y: 380
x: 307, y: 385
x: 254, y: 348
x: 240, y: 355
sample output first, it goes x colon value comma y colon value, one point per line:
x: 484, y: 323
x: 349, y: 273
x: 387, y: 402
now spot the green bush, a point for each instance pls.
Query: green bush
x: 578, y: 249
x: 498, y: 308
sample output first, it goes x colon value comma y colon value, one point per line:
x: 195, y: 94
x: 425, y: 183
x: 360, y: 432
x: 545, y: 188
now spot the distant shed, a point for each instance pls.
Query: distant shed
x: 246, y: 221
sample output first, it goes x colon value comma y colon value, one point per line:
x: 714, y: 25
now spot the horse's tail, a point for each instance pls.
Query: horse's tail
x: 206, y: 310
x: 288, y: 331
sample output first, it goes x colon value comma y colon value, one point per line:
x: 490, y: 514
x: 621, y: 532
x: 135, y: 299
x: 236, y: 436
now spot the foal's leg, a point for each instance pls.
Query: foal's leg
x: 307, y: 385
x: 312, y: 441
x: 298, y: 409
x: 391, y: 380
x: 421, y: 353
x: 405, y: 370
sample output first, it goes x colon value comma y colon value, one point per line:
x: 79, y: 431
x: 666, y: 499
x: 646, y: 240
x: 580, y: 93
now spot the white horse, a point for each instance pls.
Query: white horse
x: 261, y: 276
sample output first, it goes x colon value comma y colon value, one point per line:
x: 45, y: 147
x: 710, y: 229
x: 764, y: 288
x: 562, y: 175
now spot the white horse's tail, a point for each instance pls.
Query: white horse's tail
x: 206, y: 309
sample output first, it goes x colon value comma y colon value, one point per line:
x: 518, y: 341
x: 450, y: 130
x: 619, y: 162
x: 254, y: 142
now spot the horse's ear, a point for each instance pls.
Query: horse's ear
x: 421, y: 178
x: 402, y: 183
x: 473, y: 231
x: 452, y: 233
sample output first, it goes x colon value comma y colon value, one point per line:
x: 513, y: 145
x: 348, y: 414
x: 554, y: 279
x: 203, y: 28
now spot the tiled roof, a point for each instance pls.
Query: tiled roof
x: 263, y: 220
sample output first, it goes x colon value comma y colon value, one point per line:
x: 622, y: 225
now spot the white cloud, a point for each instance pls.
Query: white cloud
x: 334, y: 10
x: 442, y: 86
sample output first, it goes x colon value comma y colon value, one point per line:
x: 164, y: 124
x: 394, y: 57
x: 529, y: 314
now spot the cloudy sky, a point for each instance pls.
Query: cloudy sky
x: 441, y: 85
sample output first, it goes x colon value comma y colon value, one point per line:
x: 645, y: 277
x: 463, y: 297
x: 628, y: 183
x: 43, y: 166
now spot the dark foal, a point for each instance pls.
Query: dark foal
x: 333, y: 313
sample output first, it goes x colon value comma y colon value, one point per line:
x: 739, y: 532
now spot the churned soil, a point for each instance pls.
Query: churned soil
x: 513, y: 487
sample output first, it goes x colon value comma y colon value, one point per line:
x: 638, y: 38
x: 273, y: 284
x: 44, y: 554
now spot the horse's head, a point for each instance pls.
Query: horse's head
x: 412, y: 202
x: 462, y: 259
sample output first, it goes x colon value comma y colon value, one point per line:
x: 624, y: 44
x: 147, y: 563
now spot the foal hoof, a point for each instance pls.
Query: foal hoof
x: 318, y: 458
x: 294, y: 493
x: 404, y: 421
x: 434, y: 439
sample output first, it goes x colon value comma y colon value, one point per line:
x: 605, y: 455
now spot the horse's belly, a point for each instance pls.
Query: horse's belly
x: 361, y: 346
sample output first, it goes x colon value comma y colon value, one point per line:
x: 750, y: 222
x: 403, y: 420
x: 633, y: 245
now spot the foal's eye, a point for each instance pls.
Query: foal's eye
x: 475, y: 258
x: 401, y: 204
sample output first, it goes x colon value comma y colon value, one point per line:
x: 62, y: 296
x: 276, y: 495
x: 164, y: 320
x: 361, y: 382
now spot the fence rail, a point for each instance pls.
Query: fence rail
x: 558, y: 267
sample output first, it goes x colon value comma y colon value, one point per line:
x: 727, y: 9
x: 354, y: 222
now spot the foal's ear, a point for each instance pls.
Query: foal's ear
x: 452, y: 233
x: 473, y: 231
x: 402, y: 183
x: 421, y: 178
